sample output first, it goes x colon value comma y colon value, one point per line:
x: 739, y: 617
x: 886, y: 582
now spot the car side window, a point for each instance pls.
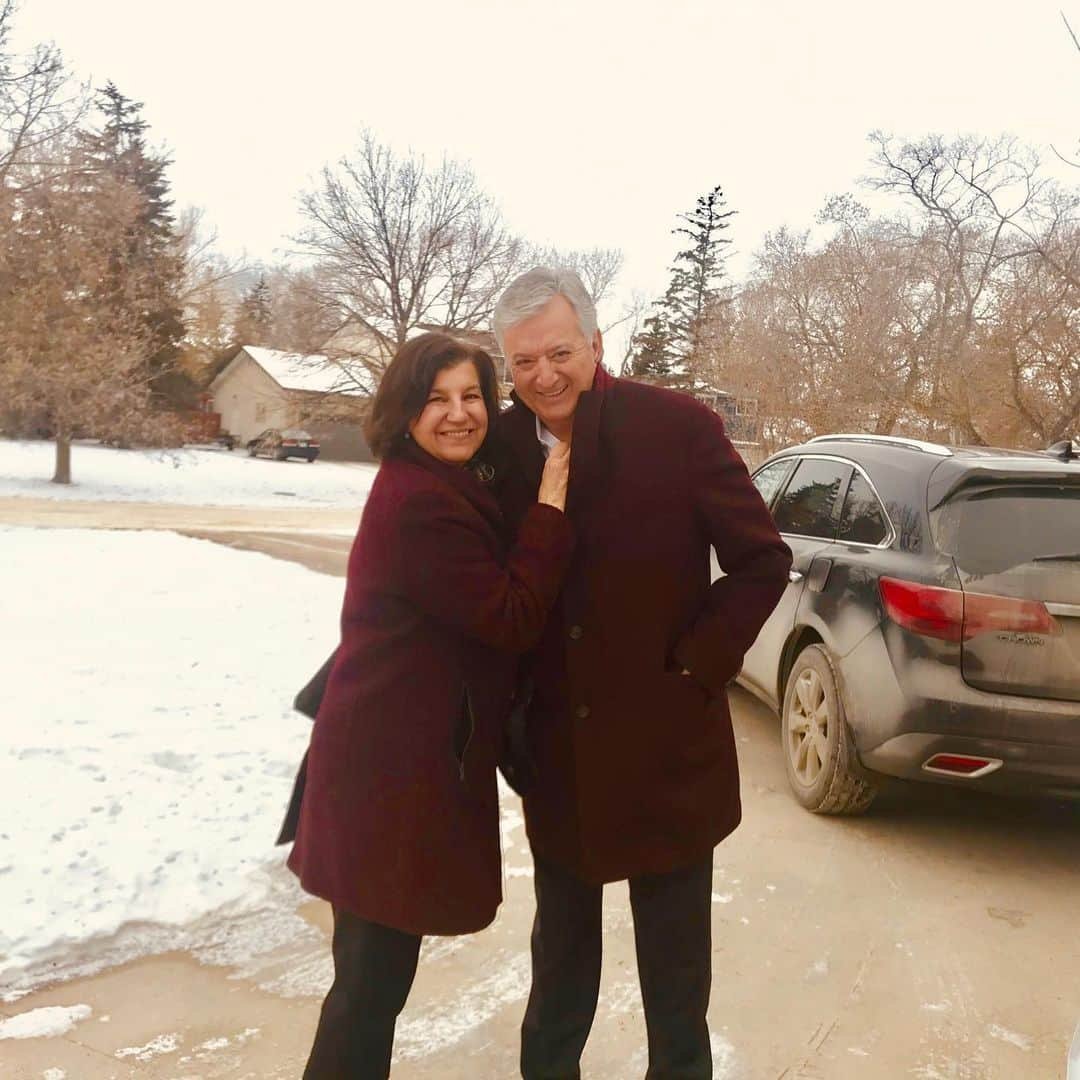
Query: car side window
x: 810, y: 506
x: 771, y: 479
x: 863, y: 520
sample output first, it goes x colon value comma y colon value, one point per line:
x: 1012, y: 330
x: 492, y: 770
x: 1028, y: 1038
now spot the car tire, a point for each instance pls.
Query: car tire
x: 251, y: 451
x: 818, y: 751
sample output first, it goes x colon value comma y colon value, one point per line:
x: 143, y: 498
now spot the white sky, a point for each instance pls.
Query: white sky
x: 591, y: 123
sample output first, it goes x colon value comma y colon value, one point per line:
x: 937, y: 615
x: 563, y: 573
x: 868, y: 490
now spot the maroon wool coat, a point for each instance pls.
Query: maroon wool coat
x: 635, y: 762
x: 399, y: 821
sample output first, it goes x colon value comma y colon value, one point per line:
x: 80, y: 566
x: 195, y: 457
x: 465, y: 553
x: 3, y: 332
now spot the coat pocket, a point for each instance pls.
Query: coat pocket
x: 464, y: 730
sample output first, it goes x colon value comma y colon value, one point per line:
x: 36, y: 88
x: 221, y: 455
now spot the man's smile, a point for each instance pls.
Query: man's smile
x: 550, y: 395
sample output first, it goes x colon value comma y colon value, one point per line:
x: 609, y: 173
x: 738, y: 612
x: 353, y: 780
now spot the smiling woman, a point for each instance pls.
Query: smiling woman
x: 453, y: 424
x: 439, y: 392
x: 399, y: 822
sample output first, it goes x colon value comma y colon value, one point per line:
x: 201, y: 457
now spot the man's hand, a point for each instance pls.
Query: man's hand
x: 556, y: 476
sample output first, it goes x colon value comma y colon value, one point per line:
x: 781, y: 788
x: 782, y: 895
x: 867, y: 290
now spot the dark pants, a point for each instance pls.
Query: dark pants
x: 373, y: 971
x: 673, y: 936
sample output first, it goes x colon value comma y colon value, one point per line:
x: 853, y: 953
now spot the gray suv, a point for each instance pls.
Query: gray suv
x: 931, y: 626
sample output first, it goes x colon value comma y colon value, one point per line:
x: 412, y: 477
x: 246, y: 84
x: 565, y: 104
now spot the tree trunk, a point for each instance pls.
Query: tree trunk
x: 63, y: 460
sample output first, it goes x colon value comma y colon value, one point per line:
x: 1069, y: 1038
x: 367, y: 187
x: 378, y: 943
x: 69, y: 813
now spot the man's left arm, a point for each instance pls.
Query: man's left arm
x: 754, y: 558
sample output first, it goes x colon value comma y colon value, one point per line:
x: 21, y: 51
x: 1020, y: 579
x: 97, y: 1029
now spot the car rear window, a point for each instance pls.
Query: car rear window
x: 863, y: 520
x: 810, y: 503
x: 991, y: 529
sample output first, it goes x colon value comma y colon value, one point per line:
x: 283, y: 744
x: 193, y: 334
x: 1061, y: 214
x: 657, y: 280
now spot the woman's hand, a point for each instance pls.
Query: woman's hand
x: 556, y: 475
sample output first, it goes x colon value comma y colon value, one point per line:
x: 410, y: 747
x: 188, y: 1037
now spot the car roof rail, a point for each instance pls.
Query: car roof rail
x: 1066, y: 450
x: 888, y: 440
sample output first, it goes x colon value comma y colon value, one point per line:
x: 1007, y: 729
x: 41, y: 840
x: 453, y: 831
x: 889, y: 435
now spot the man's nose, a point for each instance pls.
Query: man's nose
x: 545, y: 372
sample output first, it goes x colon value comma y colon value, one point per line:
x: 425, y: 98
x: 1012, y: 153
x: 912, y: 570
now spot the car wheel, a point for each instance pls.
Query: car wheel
x: 818, y: 752
x: 251, y: 451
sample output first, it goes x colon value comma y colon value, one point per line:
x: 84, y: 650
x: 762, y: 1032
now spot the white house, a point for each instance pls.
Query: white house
x: 265, y: 388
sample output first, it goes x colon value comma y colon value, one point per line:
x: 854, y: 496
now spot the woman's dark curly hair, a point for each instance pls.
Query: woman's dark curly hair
x: 406, y: 384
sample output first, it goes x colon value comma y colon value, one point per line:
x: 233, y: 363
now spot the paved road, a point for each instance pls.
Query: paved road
x: 935, y: 938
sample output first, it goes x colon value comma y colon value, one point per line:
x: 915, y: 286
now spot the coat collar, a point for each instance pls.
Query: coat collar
x: 586, y: 458
x: 464, y: 479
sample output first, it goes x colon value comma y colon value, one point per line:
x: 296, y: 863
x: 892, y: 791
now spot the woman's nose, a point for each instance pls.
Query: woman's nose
x: 456, y: 410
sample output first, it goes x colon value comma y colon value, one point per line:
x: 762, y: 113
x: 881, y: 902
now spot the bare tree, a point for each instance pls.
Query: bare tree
x: 597, y: 267
x: 400, y: 243
x: 986, y: 207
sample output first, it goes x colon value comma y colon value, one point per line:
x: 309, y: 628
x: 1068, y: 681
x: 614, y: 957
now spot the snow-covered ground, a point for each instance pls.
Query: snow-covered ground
x: 196, y: 477
x: 149, y: 742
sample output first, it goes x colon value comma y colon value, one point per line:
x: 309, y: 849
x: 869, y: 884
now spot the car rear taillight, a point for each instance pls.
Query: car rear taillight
x: 925, y: 609
x: 983, y: 612
x: 289, y: 442
x: 953, y: 615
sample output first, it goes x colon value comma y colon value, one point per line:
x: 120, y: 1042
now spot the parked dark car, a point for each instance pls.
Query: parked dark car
x: 290, y: 442
x: 931, y: 626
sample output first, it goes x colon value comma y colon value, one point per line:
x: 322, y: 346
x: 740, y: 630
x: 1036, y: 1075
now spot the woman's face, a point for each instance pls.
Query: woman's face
x: 453, y: 423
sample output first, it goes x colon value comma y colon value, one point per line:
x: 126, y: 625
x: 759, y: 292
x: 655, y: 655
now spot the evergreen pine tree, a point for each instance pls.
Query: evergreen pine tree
x: 673, y: 344
x: 148, y: 254
x: 652, y: 355
x: 254, y: 315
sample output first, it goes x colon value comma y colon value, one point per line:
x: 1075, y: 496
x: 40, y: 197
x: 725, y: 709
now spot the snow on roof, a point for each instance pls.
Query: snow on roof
x: 313, y: 373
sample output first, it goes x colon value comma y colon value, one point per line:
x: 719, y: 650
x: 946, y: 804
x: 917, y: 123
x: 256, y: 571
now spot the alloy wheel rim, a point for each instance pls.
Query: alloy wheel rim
x: 808, y: 728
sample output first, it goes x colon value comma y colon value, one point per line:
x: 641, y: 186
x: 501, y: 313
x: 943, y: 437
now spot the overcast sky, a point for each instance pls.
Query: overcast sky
x: 592, y: 123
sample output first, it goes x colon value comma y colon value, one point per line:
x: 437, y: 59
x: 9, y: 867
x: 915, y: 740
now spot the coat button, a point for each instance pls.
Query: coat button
x: 576, y: 633
x: 582, y: 712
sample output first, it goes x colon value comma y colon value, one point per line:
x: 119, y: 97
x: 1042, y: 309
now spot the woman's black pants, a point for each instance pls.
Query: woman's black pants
x: 374, y: 968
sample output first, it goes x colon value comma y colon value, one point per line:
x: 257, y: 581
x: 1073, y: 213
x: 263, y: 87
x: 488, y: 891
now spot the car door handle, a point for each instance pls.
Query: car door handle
x: 794, y: 576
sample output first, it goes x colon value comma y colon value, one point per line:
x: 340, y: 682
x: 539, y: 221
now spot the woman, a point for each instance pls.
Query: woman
x: 399, y: 826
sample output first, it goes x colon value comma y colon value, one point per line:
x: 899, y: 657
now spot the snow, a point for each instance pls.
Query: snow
x: 192, y: 477
x: 313, y: 373
x: 163, y: 1044
x: 150, y: 742
x: 43, y: 1023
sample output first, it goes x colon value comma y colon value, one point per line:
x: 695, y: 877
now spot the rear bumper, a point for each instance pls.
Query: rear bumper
x: 1026, y: 766
x: 903, y: 708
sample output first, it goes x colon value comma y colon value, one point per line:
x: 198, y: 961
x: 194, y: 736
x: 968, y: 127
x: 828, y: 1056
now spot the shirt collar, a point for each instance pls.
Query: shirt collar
x: 548, y: 442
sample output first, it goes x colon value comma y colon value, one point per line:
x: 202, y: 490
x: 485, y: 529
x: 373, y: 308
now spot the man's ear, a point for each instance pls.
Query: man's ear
x: 598, y: 346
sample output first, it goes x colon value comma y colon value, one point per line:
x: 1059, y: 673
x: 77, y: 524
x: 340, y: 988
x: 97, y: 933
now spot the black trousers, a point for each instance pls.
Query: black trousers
x: 673, y: 938
x: 374, y: 967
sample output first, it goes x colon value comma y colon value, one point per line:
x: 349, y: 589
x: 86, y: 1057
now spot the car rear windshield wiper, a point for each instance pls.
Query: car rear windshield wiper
x: 1071, y: 557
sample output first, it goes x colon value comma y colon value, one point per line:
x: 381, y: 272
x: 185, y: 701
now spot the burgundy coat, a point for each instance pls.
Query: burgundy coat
x: 400, y: 821
x: 635, y: 762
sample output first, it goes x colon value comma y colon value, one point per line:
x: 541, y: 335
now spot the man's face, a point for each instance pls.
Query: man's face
x: 552, y: 362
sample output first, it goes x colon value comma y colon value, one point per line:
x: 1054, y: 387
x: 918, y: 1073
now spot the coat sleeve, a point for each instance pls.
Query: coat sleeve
x: 443, y: 564
x: 750, y: 551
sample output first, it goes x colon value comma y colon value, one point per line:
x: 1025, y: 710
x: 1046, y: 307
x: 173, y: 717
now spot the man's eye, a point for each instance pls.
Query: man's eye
x: 524, y: 362
x: 562, y: 354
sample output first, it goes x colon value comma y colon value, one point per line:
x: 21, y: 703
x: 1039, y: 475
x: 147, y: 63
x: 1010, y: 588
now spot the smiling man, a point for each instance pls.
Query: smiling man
x: 634, y: 769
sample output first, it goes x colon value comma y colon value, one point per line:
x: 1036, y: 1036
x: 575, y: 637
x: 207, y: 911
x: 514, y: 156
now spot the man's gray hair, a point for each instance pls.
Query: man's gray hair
x: 529, y: 292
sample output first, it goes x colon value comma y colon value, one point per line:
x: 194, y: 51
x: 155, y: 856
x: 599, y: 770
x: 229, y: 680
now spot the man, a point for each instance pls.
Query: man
x: 635, y: 775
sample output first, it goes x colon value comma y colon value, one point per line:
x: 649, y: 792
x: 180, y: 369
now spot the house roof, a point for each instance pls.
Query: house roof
x: 311, y: 373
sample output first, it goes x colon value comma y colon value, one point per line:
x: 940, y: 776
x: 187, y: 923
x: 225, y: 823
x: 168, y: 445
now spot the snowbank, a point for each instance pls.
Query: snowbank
x: 149, y: 741
x: 191, y: 477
